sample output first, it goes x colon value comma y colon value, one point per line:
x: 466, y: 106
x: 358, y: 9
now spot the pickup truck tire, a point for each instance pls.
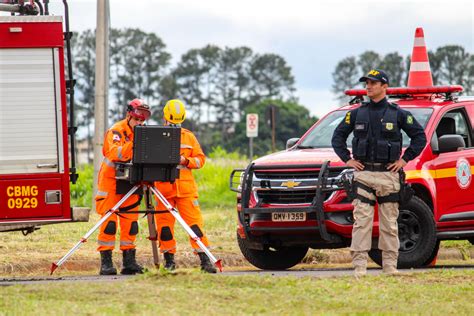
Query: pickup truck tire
x: 272, y: 259
x: 417, y: 233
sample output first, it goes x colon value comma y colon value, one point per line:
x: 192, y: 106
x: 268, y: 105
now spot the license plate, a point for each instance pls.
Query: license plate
x: 289, y: 217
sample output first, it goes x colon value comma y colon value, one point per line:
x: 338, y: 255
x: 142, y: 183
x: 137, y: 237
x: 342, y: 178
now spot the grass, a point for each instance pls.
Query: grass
x: 191, y: 292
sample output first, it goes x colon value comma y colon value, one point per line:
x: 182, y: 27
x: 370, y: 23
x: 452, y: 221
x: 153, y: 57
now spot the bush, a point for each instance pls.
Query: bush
x: 212, y: 181
x: 81, y: 192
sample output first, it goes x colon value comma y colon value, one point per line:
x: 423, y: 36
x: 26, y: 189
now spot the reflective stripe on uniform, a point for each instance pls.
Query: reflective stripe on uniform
x: 181, y: 167
x: 186, y: 146
x: 108, y: 162
x: 166, y: 250
x: 106, y: 243
x: 119, y: 152
x: 126, y: 243
x: 198, y: 162
x: 102, y: 193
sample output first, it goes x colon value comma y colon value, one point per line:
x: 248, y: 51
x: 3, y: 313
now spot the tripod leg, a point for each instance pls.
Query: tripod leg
x: 153, y: 235
x: 175, y: 213
x: 113, y: 210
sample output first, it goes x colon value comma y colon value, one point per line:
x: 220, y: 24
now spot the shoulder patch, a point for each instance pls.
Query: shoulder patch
x: 409, y: 119
x: 117, y: 136
x: 347, y: 120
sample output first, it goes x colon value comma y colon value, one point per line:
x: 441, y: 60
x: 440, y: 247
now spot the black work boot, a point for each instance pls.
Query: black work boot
x: 130, y: 265
x: 206, y: 264
x: 106, y: 264
x: 170, y: 265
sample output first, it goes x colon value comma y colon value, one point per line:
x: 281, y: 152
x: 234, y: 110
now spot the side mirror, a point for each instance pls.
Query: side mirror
x: 450, y: 143
x: 291, y: 142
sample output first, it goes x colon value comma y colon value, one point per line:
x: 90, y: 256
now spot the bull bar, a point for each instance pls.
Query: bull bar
x: 324, y: 185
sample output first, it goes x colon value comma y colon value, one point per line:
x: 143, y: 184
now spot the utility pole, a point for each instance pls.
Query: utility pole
x: 101, y: 84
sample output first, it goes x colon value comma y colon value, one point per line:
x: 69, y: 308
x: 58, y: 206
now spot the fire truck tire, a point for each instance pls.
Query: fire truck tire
x: 272, y: 259
x: 471, y: 240
x: 417, y: 232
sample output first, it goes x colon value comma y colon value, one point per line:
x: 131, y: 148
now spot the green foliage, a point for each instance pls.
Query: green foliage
x: 81, y: 192
x: 293, y: 120
x: 450, y: 64
x: 212, y: 180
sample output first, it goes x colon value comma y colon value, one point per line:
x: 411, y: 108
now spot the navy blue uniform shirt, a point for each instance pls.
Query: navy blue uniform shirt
x: 406, y: 122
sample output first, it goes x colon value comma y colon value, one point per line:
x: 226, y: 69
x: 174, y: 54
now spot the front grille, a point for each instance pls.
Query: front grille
x: 287, y: 196
x: 312, y: 174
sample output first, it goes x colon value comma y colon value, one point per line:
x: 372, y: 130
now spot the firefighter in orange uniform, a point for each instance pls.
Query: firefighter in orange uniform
x: 183, y: 193
x: 118, y: 147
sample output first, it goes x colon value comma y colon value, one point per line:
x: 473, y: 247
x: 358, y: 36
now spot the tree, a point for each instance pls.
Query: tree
x: 83, y: 50
x: 394, y: 64
x: 368, y: 60
x: 293, y: 121
x: 345, y: 76
x: 138, y: 64
x: 196, y: 78
x: 271, y: 78
x: 454, y: 65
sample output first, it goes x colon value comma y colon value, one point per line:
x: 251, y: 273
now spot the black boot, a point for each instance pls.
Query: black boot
x: 206, y: 264
x: 106, y: 264
x: 130, y: 265
x: 170, y: 265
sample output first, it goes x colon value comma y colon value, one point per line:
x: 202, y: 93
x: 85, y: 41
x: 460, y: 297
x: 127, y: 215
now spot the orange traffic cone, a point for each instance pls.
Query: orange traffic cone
x: 420, y: 71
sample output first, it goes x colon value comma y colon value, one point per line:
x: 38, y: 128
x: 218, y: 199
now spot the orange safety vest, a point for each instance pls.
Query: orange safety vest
x: 185, y: 186
x: 118, y: 147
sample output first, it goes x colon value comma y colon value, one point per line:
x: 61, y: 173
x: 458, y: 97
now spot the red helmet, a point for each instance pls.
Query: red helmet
x: 138, y: 109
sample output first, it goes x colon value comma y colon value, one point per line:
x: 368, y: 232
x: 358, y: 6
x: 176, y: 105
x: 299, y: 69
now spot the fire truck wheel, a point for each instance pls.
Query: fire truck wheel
x: 272, y: 259
x: 417, y: 233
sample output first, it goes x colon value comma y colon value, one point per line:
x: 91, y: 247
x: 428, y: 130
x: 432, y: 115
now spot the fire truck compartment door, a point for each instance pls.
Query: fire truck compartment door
x: 31, y: 130
x: 30, y: 198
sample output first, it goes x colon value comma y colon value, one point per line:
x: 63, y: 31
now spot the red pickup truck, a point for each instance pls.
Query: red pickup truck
x: 294, y: 200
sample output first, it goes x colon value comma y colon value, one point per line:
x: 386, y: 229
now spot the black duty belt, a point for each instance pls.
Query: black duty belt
x: 376, y: 166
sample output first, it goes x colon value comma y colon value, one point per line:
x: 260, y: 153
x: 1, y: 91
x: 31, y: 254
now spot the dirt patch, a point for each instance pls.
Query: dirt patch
x: 37, y: 266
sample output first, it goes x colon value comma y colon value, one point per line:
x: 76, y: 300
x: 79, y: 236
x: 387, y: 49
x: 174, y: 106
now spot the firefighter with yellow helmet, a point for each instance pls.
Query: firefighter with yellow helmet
x: 183, y: 193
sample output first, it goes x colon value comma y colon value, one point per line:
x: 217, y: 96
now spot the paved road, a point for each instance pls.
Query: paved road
x: 335, y: 272
x: 318, y: 273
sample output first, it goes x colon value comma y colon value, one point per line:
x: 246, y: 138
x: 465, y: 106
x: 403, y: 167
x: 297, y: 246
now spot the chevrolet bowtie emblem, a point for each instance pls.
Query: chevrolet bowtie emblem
x: 290, y: 184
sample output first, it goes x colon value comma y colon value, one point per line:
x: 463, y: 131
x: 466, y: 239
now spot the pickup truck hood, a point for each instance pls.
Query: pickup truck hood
x: 301, y: 157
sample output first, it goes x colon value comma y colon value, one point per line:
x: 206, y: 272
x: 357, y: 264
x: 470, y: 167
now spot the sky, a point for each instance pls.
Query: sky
x: 312, y: 36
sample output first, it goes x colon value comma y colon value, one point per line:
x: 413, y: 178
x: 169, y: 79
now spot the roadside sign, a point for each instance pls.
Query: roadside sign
x: 252, y: 125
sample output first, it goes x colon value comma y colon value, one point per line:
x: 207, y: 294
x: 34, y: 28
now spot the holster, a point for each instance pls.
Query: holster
x: 350, y: 187
x: 406, y: 191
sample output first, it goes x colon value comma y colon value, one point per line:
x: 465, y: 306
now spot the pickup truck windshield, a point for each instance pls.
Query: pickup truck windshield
x: 320, y: 136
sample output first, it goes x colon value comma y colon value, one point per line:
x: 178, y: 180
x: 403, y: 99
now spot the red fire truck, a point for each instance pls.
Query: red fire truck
x: 293, y: 200
x: 35, y: 135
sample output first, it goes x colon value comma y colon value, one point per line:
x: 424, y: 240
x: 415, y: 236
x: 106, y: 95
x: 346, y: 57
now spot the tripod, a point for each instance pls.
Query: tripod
x: 147, y: 188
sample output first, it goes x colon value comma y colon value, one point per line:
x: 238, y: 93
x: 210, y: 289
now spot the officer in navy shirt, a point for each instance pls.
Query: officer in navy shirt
x: 376, y: 151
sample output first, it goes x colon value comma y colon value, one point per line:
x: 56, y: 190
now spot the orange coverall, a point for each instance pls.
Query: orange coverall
x: 183, y: 195
x: 118, y: 147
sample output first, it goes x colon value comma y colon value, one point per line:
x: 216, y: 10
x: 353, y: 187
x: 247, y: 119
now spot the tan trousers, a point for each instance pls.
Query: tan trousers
x: 384, y: 183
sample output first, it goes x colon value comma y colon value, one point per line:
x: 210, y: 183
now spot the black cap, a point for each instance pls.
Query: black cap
x: 375, y: 75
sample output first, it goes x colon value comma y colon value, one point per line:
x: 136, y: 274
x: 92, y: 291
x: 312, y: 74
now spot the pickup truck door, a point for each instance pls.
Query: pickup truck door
x: 453, y: 170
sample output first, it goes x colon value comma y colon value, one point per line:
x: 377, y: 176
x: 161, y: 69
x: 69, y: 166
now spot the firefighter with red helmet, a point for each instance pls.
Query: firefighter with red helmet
x: 183, y: 193
x: 118, y: 146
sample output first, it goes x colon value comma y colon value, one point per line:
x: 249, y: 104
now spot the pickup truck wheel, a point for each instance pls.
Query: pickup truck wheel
x: 417, y: 233
x: 272, y: 259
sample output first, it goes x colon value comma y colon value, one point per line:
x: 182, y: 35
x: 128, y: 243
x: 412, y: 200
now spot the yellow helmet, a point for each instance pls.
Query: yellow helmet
x: 174, y: 111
